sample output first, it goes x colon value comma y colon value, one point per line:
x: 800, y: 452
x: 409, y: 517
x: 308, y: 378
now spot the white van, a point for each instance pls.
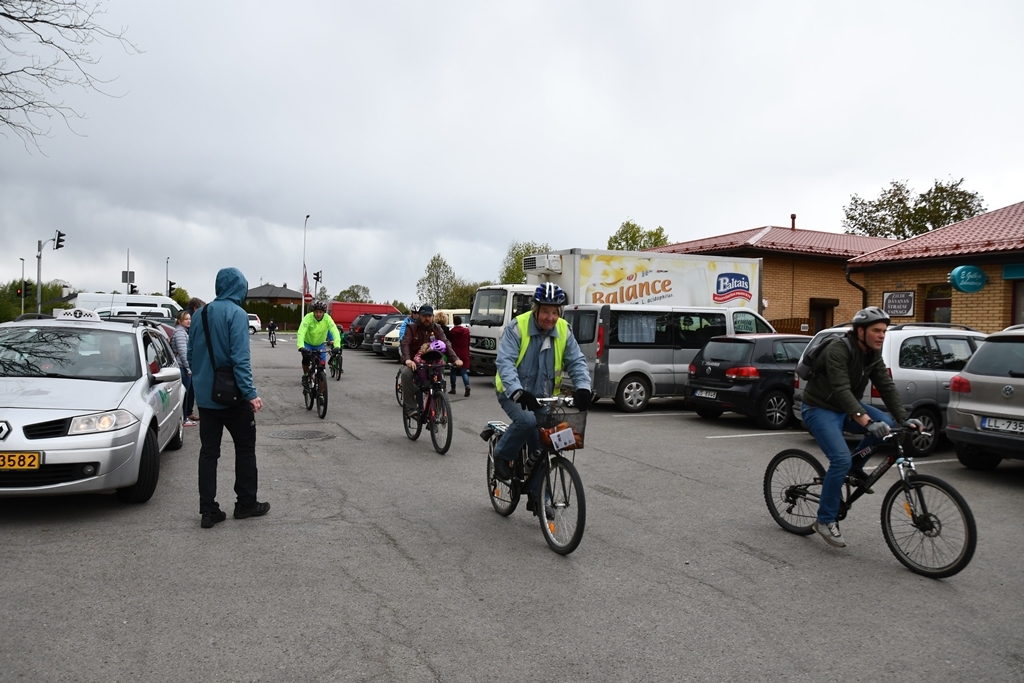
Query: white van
x: 142, y: 311
x: 93, y: 301
x: 639, y: 352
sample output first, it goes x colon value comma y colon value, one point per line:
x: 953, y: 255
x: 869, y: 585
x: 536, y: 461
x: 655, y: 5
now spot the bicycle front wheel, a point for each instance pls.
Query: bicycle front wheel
x: 440, y: 423
x: 333, y: 367
x: 563, y: 510
x: 337, y: 366
x: 792, y: 490
x: 413, y: 425
x: 308, y: 394
x: 398, y: 387
x: 928, y: 526
x: 321, y: 394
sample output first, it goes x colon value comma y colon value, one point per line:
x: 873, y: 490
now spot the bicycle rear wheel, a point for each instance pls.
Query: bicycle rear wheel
x: 504, y: 496
x: 928, y: 526
x: 321, y: 394
x: 337, y: 366
x: 563, y: 508
x: 308, y: 394
x: 792, y: 489
x: 413, y: 425
x: 440, y: 423
x: 332, y: 366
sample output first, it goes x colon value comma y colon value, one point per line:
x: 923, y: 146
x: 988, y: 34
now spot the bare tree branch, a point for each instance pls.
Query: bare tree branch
x: 45, y: 46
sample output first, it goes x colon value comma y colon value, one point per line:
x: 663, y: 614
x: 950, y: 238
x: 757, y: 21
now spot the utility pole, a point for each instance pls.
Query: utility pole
x: 22, y: 286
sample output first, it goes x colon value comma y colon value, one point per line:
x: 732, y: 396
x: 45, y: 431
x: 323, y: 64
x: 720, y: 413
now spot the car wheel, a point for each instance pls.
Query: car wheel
x: 633, y: 394
x: 973, y: 459
x: 149, y: 473
x: 179, y: 436
x: 775, y: 410
x: 918, y: 445
x: 708, y: 413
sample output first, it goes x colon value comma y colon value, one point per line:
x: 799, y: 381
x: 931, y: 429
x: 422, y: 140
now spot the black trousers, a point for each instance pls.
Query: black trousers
x: 240, y: 421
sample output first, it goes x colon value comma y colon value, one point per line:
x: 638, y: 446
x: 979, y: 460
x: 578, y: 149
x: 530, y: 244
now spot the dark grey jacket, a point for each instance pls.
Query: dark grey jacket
x: 840, y: 378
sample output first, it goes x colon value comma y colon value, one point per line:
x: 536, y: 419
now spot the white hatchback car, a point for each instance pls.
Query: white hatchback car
x: 254, y: 324
x: 86, y: 406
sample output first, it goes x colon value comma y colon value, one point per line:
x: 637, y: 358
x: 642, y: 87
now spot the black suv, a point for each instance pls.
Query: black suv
x: 750, y: 374
x: 354, y: 336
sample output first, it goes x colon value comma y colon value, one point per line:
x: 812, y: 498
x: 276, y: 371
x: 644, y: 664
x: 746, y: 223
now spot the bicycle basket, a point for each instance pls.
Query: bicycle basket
x: 557, y: 421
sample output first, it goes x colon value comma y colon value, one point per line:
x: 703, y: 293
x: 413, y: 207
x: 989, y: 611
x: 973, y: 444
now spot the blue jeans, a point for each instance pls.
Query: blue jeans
x: 190, y: 395
x: 522, y: 429
x: 463, y: 372
x: 827, y: 427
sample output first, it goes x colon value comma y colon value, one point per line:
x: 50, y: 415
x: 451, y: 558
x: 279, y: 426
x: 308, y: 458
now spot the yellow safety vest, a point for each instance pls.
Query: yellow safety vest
x: 523, y: 320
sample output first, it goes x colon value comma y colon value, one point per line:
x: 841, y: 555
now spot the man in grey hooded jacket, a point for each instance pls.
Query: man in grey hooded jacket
x: 229, y: 338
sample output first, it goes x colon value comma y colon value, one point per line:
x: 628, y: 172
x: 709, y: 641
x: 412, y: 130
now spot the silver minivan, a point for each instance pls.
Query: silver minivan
x: 638, y: 352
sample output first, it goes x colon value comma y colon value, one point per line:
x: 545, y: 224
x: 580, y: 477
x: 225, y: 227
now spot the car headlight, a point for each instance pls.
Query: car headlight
x: 102, y: 422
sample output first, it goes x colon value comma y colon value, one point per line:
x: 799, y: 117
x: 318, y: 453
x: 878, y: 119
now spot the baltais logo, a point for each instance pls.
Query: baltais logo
x: 5, y: 429
x: 730, y: 286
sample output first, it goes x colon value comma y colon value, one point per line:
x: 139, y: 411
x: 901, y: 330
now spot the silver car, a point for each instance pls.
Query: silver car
x: 86, y: 405
x: 922, y: 358
x: 986, y: 408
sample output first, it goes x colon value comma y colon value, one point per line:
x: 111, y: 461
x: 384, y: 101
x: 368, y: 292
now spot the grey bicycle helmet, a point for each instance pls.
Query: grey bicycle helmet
x: 319, y: 305
x: 549, y: 294
x: 870, y: 316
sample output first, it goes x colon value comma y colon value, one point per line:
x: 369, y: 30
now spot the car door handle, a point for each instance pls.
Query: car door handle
x: 945, y: 385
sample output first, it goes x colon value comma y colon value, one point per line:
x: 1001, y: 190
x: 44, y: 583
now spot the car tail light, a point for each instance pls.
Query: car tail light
x: 746, y: 372
x: 874, y: 390
x: 600, y: 340
x: 692, y: 369
x: 959, y: 385
x: 796, y: 381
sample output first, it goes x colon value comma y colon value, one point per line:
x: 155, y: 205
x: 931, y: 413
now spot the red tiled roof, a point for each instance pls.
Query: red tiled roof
x: 772, y: 238
x: 996, y: 231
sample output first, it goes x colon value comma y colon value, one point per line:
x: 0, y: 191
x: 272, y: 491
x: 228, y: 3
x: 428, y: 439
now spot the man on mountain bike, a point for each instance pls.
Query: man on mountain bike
x: 418, y: 338
x: 533, y: 351
x: 832, y: 405
x: 314, y: 330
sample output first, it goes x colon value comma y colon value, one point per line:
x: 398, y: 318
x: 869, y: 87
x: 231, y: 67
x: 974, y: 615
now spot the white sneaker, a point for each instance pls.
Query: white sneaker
x: 830, y: 532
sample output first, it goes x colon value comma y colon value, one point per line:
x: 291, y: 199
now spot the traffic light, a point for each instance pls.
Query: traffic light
x: 21, y: 293
x: 26, y: 290
x: 170, y: 288
x: 58, y: 242
x: 318, y: 276
x: 132, y: 289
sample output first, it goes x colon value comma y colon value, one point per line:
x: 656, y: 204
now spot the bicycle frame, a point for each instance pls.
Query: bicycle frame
x: 904, y: 463
x: 425, y: 392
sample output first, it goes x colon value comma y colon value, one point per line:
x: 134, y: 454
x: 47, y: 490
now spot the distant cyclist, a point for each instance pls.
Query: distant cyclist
x: 316, y: 330
x: 272, y: 330
x: 534, y: 349
x: 832, y: 405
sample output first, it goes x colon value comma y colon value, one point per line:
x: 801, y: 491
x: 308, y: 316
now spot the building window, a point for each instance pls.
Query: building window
x: 938, y: 303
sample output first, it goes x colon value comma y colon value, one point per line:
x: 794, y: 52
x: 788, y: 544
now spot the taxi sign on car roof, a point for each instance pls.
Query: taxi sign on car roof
x: 76, y: 314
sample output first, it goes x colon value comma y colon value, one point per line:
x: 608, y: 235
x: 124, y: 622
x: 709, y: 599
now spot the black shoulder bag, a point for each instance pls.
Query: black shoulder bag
x: 225, y: 389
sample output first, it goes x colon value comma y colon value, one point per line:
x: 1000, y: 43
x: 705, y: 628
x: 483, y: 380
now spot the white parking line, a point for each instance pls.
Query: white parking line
x: 644, y: 414
x: 743, y: 436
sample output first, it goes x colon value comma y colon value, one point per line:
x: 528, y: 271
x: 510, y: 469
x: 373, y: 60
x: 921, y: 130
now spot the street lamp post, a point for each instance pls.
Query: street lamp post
x: 303, y: 314
x: 167, y: 275
x: 22, y: 286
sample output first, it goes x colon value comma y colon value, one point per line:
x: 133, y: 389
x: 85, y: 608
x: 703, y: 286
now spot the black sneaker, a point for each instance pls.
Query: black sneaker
x: 257, y: 510
x: 502, y: 469
x: 467, y: 391
x: 211, y: 518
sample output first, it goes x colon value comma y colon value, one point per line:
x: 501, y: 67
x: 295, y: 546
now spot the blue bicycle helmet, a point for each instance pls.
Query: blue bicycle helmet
x: 549, y: 294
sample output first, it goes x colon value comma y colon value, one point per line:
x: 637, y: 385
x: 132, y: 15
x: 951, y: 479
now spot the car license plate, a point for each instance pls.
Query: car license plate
x: 20, y: 461
x: 1000, y: 425
x: 705, y: 393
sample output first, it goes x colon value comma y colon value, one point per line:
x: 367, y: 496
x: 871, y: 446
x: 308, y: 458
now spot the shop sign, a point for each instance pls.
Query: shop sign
x: 967, y: 279
x: 898, y: 303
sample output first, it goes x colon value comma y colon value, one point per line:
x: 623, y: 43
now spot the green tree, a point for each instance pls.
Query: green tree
x: 437, y: 282
x: 181, y: 296
x: 631, y: 237
x: 400, y: 306
x: 356, y: 293
x: 900, y: 213
x: 512, y: 272
x: 461, y: 295
x: 322, y: 294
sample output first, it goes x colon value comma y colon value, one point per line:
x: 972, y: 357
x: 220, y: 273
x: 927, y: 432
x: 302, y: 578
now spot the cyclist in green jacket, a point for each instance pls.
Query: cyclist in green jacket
x: 317, y: 331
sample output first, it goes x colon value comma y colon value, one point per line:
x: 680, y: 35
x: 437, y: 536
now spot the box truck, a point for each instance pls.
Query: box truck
x: 594, y: 276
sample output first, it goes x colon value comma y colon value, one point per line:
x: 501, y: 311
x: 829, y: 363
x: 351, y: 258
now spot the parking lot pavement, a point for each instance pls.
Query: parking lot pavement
x: 382, y: 560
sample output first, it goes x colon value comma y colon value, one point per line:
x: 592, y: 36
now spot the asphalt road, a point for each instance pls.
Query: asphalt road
x: 383, y: 561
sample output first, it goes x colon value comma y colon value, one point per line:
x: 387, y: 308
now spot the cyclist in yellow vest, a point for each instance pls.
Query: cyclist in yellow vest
x: 534, y: 350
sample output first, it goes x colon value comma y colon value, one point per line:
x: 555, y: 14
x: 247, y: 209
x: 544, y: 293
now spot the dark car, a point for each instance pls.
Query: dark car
x: 750, y: 374
x: 354, y: 335
x: 386, y: 324
x: 370, y: 330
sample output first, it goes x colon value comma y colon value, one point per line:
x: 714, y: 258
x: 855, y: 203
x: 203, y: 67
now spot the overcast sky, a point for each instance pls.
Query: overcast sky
x: 406, y: 129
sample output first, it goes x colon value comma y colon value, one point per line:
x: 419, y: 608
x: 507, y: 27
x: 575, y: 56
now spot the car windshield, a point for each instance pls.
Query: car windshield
x: 489, y: 307
x: 68, y: 353
x: 998, y: 357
